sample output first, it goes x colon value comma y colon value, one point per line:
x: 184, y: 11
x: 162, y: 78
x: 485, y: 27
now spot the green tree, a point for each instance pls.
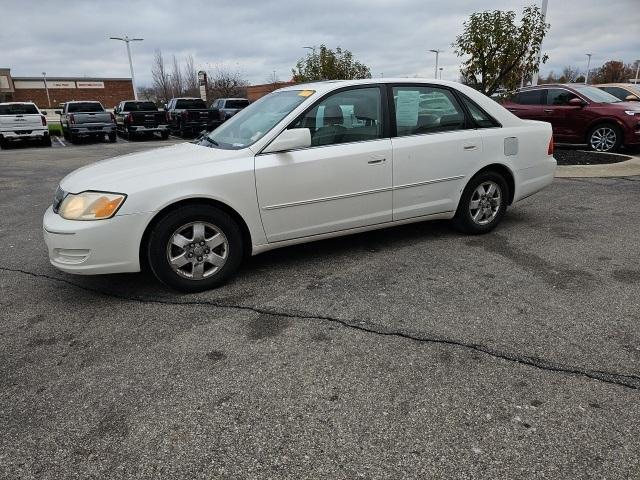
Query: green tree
x: 499, y: 51
x: 326, y: 64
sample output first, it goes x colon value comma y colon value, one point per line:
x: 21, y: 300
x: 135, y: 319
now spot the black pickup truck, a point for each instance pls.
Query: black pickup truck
x: 135, y: 118
x: 189, y: 116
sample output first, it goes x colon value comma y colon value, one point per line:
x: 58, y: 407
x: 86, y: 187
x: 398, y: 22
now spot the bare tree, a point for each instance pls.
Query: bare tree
x: 570, y: 74
x: 177, y: 81
x: 160, y: 77
x: 225, y: 83
x: 190, y: 76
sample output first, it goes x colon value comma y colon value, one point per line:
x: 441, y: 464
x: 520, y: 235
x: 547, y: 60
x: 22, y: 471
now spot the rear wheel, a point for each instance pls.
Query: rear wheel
x: 73, y: 137
x: 112, y: 137
x: 130, y: 134
x: 483, y: 203
x: 195, y: 248
x: 3, y: 143
x: 605, y: 138
x: 46, y: 141
x: 164, y: 135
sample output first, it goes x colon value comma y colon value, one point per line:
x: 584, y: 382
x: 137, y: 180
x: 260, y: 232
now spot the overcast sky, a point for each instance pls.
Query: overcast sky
x: 392, y: 37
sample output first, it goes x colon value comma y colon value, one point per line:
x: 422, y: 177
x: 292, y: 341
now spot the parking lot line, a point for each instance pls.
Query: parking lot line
x: 60, y: 141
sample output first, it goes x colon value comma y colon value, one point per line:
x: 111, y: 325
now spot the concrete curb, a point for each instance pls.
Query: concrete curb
x: 628, y: 168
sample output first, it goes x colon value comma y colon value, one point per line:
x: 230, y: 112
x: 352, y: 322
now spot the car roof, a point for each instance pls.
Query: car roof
x: 622, y: 85
x: 17, y: 103
x: 328, y: 85
x: 82, y: 101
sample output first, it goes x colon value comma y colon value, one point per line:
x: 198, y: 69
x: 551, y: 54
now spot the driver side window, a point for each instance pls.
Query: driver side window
x: 348, y: 116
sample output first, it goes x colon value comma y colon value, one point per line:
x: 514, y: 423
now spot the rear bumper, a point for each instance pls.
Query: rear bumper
x: 94, y: 247
x: 142, y: 128
x: 89, y: 130
x: 533, y: 179
x: 24, y: 134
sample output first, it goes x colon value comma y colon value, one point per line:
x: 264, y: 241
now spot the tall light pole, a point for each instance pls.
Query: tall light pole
x: 127, y: 40
x: 46, y: 87
x: 586, y: 77
x: 637, y: 82
x: 437, y: 52
x: 534, y: 77
x: 440, y: 73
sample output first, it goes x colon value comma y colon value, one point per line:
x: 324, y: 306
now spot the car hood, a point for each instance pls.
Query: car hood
x: 129, y: 172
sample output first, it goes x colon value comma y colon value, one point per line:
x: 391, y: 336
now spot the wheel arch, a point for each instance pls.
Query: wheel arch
x: 502, y: 170
x: 244, y: 229
x: 603, y: 121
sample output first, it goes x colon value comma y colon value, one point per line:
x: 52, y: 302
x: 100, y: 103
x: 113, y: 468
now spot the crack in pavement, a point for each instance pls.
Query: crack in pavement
x: 625, y: 380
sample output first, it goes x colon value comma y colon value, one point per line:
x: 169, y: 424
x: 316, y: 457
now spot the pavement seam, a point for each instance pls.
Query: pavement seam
x: 625, y: 380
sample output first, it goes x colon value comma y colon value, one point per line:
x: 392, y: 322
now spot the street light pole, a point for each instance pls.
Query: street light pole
x: 637, y: 82
x: 534, y: 78
x: 46, y: 87
x: 586, y: 77
x: 440, y: 73
x: 127, y: 40
x: 437, y: 52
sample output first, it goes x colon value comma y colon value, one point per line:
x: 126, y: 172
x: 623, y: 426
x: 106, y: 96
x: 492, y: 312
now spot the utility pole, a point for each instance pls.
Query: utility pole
x: 534, y: 78
x: 46, y: 87
x: 586, y: 77
x: 437, y: 52
x: 127, y: 40
x: 440, y: 73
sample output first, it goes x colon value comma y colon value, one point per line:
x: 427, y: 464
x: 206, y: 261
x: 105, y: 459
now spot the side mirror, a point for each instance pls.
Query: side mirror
x: 44, y: 112
x: 290, y: 140
x: 632, y: 98
x: 58, y: 112
x: 577, y: 102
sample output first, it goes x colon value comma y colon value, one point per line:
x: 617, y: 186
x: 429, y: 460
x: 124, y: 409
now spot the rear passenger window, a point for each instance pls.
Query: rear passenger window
x: 348, y: 116
x: 559, y: 96
x: 426, y: 110
x: 480, y: 117
x: 531, y: 97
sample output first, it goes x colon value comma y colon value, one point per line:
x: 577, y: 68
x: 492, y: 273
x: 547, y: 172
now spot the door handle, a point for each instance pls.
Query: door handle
x: 470, y: 147
x: 548, y: 110
x: 376, y: 161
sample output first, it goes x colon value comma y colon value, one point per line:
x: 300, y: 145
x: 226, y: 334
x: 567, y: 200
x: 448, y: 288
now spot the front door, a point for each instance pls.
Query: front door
x: 342, y: 181
x: 563, y: 117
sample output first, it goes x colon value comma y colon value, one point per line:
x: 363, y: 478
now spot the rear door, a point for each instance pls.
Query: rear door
x: 529, y: 104
x: 436, y: 145
x: 342, y: 181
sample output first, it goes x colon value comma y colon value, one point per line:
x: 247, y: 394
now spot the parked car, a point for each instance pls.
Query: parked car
x: 23, y: 121
x: 189, y: 116
x: 301, y: 164
x: 135, y: 118
x: 87, y: 119
x: 225, y: 108
x: 580, y: 114
x: 627, y: 92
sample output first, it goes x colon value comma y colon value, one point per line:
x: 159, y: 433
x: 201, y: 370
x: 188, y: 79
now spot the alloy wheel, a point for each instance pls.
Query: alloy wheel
x: 603, y: 139
x: 197, y: 250
x: 485, y: 202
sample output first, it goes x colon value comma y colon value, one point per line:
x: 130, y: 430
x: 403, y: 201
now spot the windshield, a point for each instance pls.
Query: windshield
x: 139, y: 106
x: 236, y: 103
x: 596, y: 95
x: 252, y: 123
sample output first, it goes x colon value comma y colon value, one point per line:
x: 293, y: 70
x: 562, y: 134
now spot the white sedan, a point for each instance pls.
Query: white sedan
x: 303, y: 163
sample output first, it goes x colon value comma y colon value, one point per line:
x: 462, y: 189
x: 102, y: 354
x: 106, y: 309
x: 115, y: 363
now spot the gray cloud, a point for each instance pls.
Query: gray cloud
x: 70, y: 38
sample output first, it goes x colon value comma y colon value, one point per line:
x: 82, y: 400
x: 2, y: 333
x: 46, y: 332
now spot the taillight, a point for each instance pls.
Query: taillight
x: 44, y: 120
x: 72, y: 118
x: 550, y: 149
x: 113, y: 118
x: 130, y: 117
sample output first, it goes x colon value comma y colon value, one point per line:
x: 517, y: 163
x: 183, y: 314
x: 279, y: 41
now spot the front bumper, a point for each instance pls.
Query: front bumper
x: 95, y: 247
x: 24, y: 134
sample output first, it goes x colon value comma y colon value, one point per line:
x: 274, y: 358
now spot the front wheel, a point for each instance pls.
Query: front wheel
x: 605, y: 138
x: 195, y: 248
x: 483, y: 203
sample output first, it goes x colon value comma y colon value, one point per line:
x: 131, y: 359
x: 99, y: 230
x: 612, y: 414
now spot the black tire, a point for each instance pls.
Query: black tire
x: 73, y: 138
x: 3, y: 143
x: 159, y: 243
x: 164, y: 135
x: 112, y: 137
x: 464, y: 218
x: 181, y: 130
x: 600, y: 137
x: 65, y: 134
x: 46, y: 141
x: 131, y: 136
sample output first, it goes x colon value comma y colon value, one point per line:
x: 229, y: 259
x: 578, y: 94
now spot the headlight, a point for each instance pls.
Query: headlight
x: 632, y: 112
x: 90, y: 205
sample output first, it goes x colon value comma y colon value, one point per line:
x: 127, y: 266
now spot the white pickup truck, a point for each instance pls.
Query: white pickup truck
x: 21, y: 121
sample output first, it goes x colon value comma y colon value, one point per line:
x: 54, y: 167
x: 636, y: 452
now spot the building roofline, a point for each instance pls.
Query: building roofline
x: 73, y: 79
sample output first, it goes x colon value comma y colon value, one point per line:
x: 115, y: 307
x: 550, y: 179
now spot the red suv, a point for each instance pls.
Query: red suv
x: 580, y: 114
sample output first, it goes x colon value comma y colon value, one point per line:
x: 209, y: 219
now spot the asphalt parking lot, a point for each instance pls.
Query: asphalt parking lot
x: 412, y: 352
